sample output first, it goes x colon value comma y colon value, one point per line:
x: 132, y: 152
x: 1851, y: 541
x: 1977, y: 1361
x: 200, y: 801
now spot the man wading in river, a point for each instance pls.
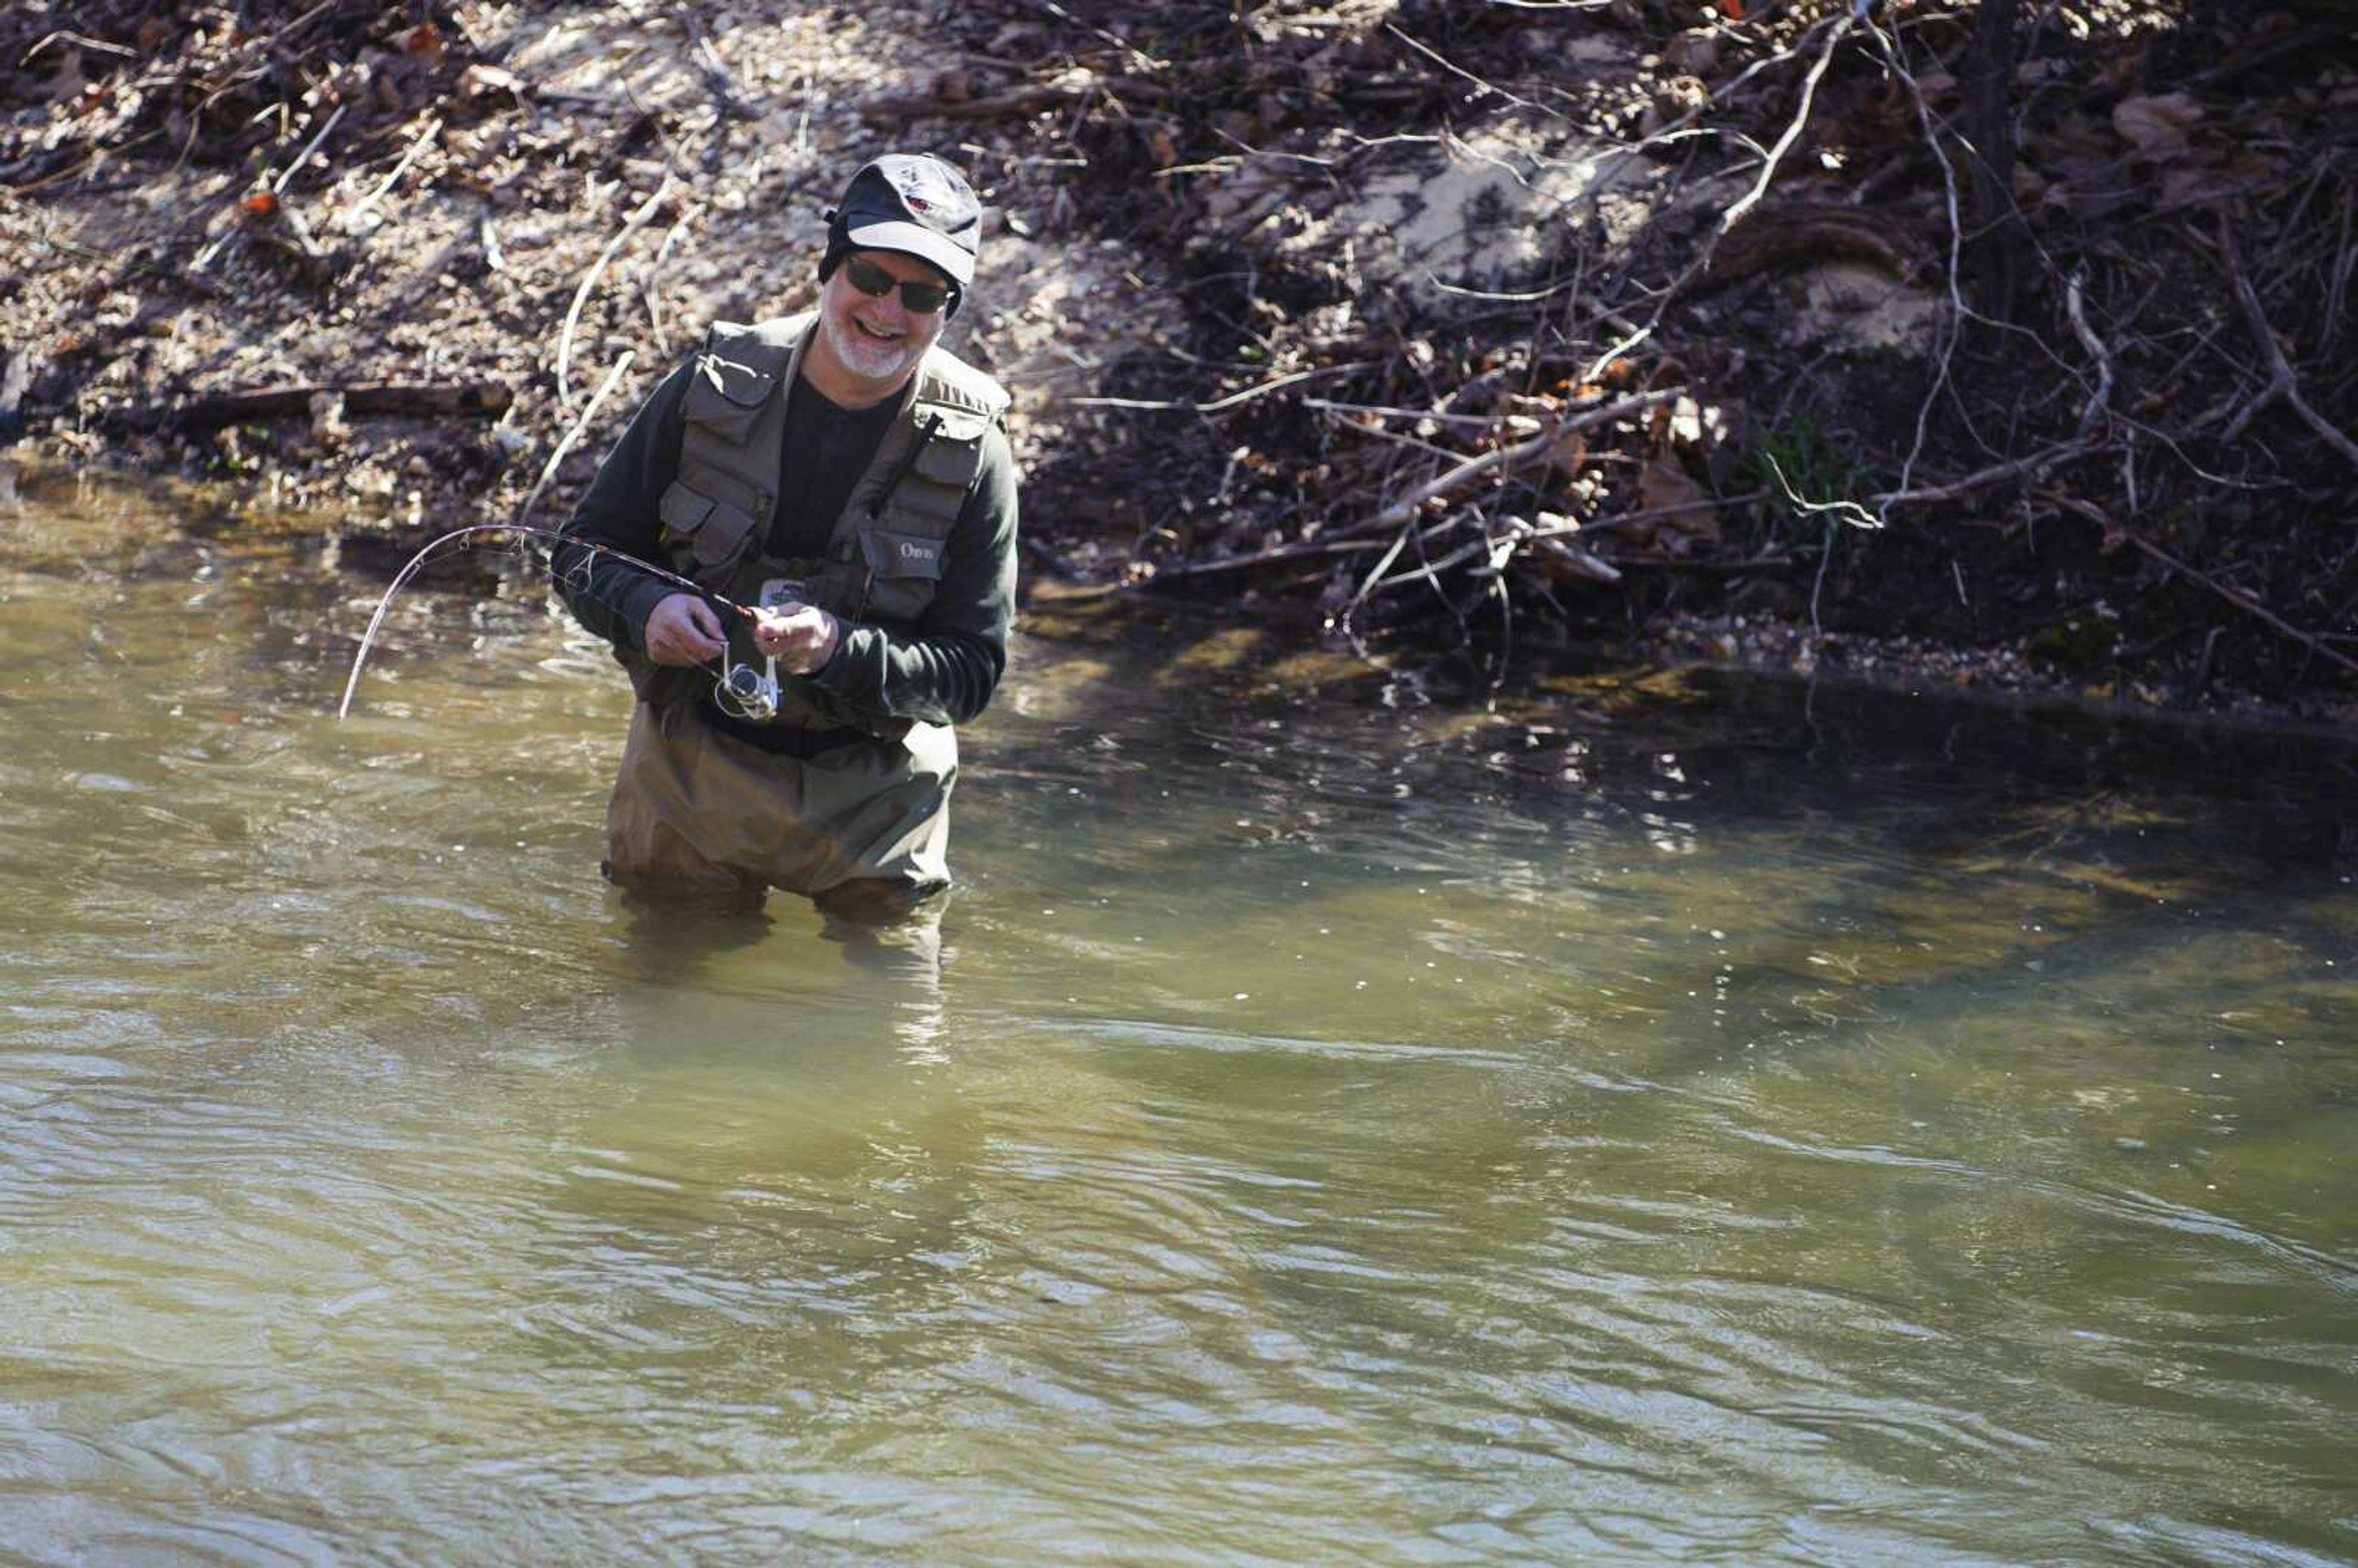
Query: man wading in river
x: 854, y: 482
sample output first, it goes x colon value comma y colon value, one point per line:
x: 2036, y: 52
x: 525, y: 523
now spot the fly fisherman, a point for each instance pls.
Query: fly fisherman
x: 850, y: 482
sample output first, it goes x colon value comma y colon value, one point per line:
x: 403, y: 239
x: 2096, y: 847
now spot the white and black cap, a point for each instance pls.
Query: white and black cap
x: 915, y: 203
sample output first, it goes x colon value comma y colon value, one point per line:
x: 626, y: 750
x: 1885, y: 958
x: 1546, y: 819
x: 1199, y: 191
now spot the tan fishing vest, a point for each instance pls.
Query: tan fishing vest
x: 885, y: 554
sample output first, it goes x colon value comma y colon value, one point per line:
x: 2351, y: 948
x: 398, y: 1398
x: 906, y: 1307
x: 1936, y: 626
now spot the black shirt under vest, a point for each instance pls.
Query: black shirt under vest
x: 826, y: 450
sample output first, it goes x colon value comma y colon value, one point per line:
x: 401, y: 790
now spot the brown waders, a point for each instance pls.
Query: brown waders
x: 861, y: 830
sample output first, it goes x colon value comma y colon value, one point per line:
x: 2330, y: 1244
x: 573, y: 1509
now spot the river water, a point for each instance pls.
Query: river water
x: 1606, y: 1125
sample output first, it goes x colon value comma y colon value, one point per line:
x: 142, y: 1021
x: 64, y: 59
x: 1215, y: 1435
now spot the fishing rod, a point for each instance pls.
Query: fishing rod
x: 417, y: 561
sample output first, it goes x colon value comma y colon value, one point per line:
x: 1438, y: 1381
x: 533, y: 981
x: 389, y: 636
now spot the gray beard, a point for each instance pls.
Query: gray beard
x: 860, y: 355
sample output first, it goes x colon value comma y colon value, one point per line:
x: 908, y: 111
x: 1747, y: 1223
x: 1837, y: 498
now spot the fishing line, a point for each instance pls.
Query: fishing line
x: 460, y: 535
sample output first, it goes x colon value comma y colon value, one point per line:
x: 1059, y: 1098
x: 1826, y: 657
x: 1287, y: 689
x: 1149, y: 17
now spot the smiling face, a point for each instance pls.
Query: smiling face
x: 867, y: 347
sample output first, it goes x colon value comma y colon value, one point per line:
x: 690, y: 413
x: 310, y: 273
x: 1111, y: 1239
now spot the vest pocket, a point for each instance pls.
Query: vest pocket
x: 726, y: 397
x: 948, y: 459
x: 714, y: 533
x: 903, y: 570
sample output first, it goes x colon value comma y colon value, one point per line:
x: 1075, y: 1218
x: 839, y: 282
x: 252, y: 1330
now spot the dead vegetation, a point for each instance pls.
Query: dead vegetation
x: 2011, y: 325
x: 1773, y: 331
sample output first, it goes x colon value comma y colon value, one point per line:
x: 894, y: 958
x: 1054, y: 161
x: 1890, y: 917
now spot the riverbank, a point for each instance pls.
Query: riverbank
x: 1409, y: 329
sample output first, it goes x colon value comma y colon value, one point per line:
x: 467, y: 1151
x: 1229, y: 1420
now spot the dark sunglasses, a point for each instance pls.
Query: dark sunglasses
x: 923, y: 298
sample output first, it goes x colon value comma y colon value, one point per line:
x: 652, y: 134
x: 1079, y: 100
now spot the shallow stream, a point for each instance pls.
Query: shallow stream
x: 1716, y: 1123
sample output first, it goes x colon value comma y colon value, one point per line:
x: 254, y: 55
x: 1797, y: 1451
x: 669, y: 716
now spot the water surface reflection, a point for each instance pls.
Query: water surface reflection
x: 1341, y: 1132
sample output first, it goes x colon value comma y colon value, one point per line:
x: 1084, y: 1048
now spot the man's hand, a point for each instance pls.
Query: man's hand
x: 683, y: 631
x: 801, y: 636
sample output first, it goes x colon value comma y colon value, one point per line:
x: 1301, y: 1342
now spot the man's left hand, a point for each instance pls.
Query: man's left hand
x: 802, y: 637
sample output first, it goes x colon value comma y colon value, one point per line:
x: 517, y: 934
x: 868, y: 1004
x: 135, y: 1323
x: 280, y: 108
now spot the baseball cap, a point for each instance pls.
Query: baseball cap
x: 914, y: 202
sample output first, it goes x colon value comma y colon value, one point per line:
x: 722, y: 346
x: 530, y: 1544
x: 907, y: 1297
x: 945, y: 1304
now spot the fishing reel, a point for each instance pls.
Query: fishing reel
x: 744, y: 693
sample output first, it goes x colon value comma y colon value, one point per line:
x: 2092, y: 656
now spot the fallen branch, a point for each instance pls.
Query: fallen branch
x: 2283, y: 384
x: 362, y: 397
x: 99, y: 46
x: 1218, y: 403
x: 1458, y: 70
x: 1558, y: 559
x: 1026, y: 100
x: 2240, y: 600
x: 1952, y: 324
x: 1509, y: 458
x: 1022, y: 101
x: 716, y: 74
x: 524, y: 513
x: 350, y: 221
x: 631, y: 225
x: 2098, y: 404
x: 1518, y: 423
x: 1261, y: 558
x: 1979, y: 478
x: 1784, y: 143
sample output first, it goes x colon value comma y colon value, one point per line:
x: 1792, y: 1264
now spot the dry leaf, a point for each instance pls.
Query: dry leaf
x: 425, y: 41
x: 1663, y: 485
x: 2158, y: 125
x: 2211, y: 180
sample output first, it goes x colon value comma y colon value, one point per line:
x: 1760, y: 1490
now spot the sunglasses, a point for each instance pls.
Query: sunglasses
x: 922, y: 298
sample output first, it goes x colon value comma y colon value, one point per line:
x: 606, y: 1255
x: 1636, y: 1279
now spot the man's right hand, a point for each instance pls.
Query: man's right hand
x: 682, y: 630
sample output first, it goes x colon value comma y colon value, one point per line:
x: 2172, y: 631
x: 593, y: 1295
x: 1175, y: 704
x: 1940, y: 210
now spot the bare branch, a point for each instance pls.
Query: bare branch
x: 2240, y: 600
x: 2036, y: 463
x: 1784, y: 143
x: 631, y: 225
x: 1219, y: 402
x: 524, y: 513
x: 2075, y: 307
x: 2283, y: 384
x: 1505, y: 458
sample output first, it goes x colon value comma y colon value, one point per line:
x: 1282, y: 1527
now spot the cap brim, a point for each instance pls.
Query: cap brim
x: 920, y: 242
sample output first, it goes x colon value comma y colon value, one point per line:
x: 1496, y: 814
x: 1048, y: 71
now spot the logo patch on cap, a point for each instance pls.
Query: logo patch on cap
x: 921, y: 187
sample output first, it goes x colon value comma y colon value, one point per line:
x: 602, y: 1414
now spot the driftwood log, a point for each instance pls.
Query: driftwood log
x: 462, y: 399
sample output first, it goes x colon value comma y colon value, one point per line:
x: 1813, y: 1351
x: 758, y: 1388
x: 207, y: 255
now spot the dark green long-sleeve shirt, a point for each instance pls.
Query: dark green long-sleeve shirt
x: 940, y: 670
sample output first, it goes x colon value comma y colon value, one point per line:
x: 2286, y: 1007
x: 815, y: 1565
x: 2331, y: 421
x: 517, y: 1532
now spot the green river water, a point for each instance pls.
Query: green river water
x: 1348, y: 1127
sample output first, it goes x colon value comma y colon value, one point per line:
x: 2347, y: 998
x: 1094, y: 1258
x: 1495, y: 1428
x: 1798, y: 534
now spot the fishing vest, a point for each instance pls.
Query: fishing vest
x: 884, y: 556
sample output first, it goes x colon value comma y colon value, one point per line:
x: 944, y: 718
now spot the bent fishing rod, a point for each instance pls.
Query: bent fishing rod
x: 464, y: 535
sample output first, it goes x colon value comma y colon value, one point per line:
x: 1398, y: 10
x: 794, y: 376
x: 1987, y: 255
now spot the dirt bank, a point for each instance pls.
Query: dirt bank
x: 2001, y: 345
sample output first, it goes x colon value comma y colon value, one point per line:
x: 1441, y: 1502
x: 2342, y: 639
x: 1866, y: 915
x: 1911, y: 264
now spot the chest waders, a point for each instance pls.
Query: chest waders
x: 697, y: 811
